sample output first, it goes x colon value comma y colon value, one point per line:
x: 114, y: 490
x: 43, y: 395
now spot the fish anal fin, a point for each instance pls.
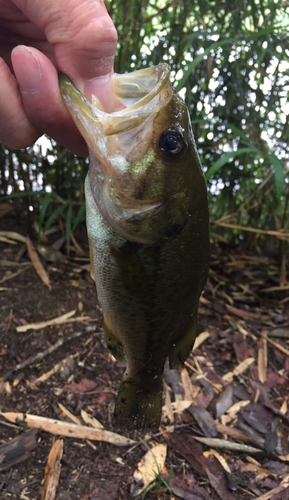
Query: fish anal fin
x: 181, y: 351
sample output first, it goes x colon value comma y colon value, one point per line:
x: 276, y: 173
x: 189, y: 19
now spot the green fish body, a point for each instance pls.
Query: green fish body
x: 147, y: 222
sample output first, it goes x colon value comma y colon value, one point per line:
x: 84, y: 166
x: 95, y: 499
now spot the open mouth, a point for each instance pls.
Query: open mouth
x: 139, y: 94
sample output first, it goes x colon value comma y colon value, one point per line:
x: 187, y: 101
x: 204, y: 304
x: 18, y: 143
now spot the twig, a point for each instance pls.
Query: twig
x: 60, y: 342
x: 171, y: 429
x: 9, y: 425
x: 278, y: 234
x: 275, y: 344
x: 217, y: 387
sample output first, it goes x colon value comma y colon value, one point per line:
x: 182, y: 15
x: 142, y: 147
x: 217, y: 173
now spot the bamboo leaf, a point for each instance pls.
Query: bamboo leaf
x: 54, y: 216
x: 79, y: 217
x: 264, y: 31
x: 227, y: 157
x: 279, y: 174
x: 197, y: 60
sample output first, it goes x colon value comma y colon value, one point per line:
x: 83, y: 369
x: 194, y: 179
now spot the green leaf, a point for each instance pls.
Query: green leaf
x: 54, y: 216
x: 197, y: 60
x: 79, y: 217
x: 279, y: 174
x: 57, y: 197
x: 237, y: 131
x: 197, y: 34
x: 23, y: 193
x: 68, y: 222
x: 255, y: 34
x: 225, y: 159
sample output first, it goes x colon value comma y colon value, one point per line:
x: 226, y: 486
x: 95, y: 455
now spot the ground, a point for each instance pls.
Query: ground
x: 234, y: 387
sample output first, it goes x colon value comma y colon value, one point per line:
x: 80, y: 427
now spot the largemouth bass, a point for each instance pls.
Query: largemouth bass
x: 148, y: 229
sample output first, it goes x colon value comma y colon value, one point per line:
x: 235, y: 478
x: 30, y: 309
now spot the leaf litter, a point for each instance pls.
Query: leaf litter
x: 225, y: 424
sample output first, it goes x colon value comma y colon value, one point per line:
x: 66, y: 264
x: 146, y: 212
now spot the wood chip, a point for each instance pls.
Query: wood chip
x: 241, y: 368
x: 201, y: 339
x: 64, y: 318
x: 275, y: 344
x: 93, y: 422
x: 219, y: 457
x: 235, y: 408
x: 66, y: 429
x: 187, y: 385
x: 68, y: 414
x: 262, y: 360
x: 52, y: 471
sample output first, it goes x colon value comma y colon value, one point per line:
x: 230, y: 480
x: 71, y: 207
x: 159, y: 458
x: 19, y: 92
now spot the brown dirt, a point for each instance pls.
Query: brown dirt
x: 90, y: 379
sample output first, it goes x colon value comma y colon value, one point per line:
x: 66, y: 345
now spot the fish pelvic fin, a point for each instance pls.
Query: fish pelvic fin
x: 113, y: 344
x: 181, y: 351
x: 136, y: 407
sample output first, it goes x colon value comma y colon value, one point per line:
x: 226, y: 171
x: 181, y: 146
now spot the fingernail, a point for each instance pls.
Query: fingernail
x: 27, y: 70
x: 101, y: 88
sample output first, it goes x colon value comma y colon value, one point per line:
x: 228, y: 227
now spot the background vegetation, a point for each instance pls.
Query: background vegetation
x: 229, y: 61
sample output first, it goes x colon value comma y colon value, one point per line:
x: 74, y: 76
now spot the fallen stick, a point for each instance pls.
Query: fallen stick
x: 66, y: 429
x: 43, y: 354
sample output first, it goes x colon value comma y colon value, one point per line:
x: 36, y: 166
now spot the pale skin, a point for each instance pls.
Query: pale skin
x: 38, y: 39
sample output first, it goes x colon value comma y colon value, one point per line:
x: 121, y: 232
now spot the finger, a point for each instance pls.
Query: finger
x: 84, y: 39
x: 44, y: 107
x: 16, y: 130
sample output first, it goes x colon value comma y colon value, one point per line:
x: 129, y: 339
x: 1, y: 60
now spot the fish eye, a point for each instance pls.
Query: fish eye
x: 172, y: 143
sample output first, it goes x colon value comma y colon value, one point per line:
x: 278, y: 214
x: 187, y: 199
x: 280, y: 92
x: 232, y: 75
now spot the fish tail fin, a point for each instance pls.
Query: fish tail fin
x: 138, y: 407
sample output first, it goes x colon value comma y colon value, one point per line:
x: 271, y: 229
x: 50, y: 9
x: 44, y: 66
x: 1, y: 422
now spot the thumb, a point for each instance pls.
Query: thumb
x: 84, y: 40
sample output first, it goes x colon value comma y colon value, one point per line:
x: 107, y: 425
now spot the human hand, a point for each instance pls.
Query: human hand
x: 37, y: 39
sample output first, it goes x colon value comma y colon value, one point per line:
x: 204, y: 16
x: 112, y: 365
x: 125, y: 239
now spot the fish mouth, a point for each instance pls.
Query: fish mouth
x: 134, y: 100
x: 120, y: 139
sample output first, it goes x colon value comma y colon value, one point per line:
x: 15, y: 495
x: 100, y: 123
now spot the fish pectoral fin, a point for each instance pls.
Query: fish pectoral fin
x: 113, y: 344
x: 138, y: 407
x: 181, y: 351
x: 130, y: 268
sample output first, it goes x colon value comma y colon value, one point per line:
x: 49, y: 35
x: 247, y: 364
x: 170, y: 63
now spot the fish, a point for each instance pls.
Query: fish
x: 148, y: 229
